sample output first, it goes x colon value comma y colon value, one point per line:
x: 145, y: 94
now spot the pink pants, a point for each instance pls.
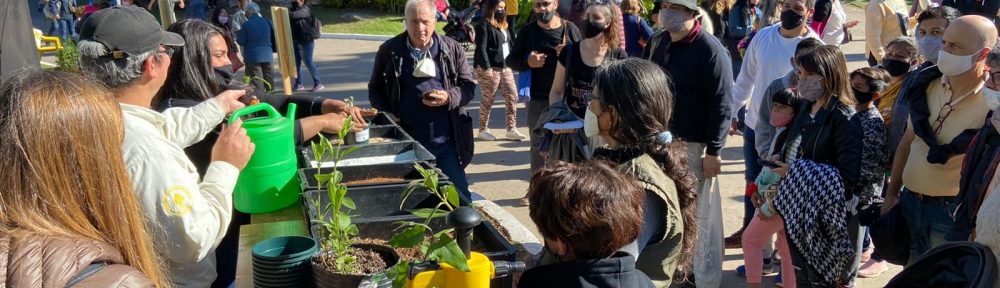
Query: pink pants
x: 755, y: 237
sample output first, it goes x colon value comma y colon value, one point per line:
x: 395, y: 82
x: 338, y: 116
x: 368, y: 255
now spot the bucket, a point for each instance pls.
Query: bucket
x: 268, y: 183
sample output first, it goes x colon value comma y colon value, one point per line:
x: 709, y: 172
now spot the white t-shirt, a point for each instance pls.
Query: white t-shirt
x: 767, y: 58
x: 833, y: 34
x: 505, y: 47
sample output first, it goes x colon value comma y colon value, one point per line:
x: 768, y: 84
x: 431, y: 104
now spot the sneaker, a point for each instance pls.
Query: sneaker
x: 318, y: 87
x: 298, y: 87
x: 486, y: 135
x: 736, y: 240
x: 764, y: 270
x: 777, y: 281
x: 867, y: 255
x: 515, y: 135
x: 872, y: 269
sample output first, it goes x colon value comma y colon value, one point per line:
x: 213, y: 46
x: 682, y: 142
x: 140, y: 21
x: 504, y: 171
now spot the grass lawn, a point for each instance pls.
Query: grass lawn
x: 380, y: 23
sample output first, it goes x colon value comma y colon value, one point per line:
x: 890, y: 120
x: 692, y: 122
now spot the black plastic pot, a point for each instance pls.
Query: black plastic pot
x: 324, y: 278
x: 405, y: 171
x: 283, y: 261
x: 419, y: 154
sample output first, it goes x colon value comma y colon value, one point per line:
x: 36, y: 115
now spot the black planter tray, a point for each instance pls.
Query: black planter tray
x: 378, y: 210
x: 392, y: 133
x: 404, y: 171
x: 399, y: 152
x: 381, y: 119
x: 485, y: 239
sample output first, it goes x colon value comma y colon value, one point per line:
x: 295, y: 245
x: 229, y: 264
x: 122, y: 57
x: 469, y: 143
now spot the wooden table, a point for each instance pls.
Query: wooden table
x: 285, y: 222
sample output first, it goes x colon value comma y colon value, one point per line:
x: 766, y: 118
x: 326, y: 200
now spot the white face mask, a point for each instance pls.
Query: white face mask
x: 590, y: 125
x: 223, y: 19
x: 992, y: 99
x: 425, y: 68
x: 951, y: 64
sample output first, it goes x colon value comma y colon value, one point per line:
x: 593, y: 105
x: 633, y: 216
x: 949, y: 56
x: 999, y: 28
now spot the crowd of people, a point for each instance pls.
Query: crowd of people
x: 626, y: 122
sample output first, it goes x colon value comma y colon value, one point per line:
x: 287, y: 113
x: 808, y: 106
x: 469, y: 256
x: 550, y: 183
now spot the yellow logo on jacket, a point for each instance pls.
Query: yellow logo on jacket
x: 176, y: 201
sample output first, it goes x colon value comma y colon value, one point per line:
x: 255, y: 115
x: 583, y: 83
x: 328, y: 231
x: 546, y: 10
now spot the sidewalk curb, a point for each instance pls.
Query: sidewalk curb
x: 362, y: 37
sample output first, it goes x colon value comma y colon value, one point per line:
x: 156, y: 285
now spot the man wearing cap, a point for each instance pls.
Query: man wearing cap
x: 702, y: 77
x: 124, y: 48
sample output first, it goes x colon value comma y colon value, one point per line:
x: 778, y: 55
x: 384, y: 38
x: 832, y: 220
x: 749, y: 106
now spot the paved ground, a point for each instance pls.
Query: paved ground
x: 499, y: 171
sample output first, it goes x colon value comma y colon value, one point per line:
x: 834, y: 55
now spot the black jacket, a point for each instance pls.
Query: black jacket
x: 701, y: 74
x: 613, y: 272
x: 533, y: 38
x: 489, y: 50
x: 977, y: 172
x: 302, y: 21
x: 832, y: 137
x: 384, y: 90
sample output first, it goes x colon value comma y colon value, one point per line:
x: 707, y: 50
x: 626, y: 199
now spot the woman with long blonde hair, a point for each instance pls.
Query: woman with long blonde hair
x: 68, y: 208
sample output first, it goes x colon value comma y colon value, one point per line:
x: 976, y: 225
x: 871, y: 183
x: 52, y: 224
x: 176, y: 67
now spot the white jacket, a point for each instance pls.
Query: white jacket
x: 188, y: 218
x: 833, y: 33
x: 767, y: 58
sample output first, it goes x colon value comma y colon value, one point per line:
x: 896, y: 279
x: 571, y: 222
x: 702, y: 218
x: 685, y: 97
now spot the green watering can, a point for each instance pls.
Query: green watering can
x: 269, y: 182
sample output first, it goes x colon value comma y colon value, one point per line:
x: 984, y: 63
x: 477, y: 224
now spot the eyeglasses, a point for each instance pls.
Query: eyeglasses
x: 542, y: 4
x: 943, y: 114
x: 167, y: 50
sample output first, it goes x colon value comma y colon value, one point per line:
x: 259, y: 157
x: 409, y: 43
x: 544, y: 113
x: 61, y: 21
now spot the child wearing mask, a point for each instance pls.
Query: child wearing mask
x: 786, y: 105
x: 868, y: 85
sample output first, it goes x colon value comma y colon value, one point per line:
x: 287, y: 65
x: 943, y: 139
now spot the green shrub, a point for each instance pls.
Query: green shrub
x: 69, y: 60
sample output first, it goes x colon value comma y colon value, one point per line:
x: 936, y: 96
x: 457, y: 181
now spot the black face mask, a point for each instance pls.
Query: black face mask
x: 863, y: 97
x: 895, y: 67
x: 500, y: 15
x: 791, y: 20
x: 546, y: 17
x: 591, y: 29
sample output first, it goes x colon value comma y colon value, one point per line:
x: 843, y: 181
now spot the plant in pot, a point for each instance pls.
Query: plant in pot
x: 340, y: 262
x: 439, y: 247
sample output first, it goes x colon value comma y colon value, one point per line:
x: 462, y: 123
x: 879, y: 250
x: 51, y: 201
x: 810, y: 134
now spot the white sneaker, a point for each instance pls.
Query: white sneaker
x: 486, y: 135
x: 515, y: 135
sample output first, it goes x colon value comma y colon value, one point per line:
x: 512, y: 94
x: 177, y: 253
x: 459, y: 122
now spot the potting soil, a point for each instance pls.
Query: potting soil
x: 376, y: 180
x: 408, y: 156
x: 366, y: 262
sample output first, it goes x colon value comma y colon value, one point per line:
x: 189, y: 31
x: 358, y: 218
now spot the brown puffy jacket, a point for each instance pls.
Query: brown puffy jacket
x: 50, y: 261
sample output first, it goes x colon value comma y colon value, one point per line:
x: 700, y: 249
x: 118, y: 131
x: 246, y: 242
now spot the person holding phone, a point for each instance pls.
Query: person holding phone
x: 786, y: 105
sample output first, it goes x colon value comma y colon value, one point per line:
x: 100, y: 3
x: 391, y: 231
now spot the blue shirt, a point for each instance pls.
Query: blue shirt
x: 255, y: 37
x: 635, y: 29
x: 428, y: 125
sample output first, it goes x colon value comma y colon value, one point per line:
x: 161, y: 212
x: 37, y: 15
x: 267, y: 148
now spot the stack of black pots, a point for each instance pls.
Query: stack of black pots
x: 284, y: 262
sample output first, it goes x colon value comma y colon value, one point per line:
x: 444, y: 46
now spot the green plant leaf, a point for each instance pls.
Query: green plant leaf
x: 343, y: 221
x: 428, y: 213
x: 445, y: 250
x: 349, y: 151
x: 398, y: 273
x: 349, y: 203
x: 409, y: 190
x: 352, y: 230
x: 409, y: 237
x: 452, y: 194
x: 346, y: 128
x: 431, y: 182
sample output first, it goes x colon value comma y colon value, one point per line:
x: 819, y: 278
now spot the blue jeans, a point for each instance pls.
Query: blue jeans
x: 62, y: 28
x: 304, y: 52
x: 448, y: 162
x: 752, y: 163
x: 929, y: 220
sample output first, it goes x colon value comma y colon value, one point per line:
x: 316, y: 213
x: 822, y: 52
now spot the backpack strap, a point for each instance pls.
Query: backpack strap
x: 88, y: 271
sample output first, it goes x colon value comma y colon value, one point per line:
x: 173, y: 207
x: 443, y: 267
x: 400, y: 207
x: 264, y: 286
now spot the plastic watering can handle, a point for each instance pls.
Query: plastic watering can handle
x: 271, y: 113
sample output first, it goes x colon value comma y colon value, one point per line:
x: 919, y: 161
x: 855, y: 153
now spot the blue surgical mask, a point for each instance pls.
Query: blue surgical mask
x: 929, y: 47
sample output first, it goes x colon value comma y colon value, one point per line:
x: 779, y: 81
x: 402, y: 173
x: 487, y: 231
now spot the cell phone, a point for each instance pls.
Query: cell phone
x: 768, y: 163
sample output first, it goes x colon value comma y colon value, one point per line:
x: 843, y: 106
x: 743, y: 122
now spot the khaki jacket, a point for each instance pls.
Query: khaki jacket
x: 659, y: 261
x: 52, y: 261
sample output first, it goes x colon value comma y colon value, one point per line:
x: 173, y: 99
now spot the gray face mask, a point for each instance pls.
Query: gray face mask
x: 810, y: 88
x: 672, y: 20
x: 929, y: 47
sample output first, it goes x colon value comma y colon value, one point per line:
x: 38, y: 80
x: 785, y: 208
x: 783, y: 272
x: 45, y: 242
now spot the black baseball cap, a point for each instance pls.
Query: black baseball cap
x: 131, y: 30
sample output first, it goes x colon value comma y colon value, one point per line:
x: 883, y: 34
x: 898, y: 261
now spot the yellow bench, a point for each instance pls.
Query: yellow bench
x: 46, y: 44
